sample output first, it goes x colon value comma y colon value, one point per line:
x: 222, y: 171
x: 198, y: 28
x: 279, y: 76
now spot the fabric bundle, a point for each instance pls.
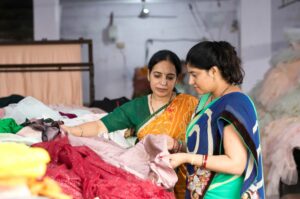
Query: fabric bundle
x: 83, y: 174
x: 22, y: 170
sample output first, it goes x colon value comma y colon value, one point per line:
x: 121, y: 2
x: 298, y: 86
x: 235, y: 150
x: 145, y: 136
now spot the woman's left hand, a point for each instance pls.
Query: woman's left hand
x: 170, y: 143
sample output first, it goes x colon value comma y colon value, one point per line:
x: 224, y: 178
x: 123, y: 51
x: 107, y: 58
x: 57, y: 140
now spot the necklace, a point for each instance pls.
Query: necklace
x: 222, y: 92
x: 151, y: 99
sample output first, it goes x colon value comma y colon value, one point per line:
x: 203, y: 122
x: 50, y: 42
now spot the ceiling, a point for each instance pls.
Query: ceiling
x: 138, y: 1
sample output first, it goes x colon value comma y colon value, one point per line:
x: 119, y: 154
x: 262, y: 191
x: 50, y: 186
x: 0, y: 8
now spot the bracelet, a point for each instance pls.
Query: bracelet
x: 81, y: 131
x: 204, y: 161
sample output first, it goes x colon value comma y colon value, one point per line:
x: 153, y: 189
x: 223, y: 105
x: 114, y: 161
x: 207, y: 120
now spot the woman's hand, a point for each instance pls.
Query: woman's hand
x: 177, y: 159
x: 66, y: 129
x: 175, y: 146
x: 170, y: 143
x: 88, y: 129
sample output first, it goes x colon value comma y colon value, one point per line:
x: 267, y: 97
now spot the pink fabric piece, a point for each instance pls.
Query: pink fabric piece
x: 283, y: 135
x: 142, y: 160
x: 277, y: 82
x: 159, y: 164
x: 160, y: 168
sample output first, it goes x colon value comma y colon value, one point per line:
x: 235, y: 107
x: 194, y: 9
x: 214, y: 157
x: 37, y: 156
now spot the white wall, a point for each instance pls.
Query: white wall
x: 261, y: 29
x: 255, y: 40
x: 46, y: 19
x: 114, y: 67
x: 262, y: 35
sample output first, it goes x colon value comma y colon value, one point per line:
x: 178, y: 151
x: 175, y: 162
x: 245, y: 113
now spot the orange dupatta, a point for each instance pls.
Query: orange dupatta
x: 172, y: 120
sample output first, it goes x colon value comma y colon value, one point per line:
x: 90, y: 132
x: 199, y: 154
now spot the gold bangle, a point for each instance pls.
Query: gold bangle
x: 81, y: 131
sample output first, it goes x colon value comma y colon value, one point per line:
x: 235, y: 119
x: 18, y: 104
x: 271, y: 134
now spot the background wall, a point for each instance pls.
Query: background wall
x: 114, y: 67
x: 47, y: 19
x: 283, y: 17
x: 254, y: 27
x: 255, y: 17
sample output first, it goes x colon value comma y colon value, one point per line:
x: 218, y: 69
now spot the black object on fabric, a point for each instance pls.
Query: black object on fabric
x: 285, y: 189
x: 50, y: 129
x: 109, y: 105
x: 12, y: 99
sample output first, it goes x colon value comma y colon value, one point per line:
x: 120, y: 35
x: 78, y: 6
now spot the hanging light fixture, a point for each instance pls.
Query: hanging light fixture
x: 145, y: 11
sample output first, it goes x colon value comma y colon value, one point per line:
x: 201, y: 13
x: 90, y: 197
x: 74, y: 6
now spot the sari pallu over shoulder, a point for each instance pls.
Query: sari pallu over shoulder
x: 236, y: 109
x: 172, y: 119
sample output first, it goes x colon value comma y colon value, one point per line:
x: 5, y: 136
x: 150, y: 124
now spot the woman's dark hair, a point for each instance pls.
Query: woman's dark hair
x: 221, y: 54
x: 165, y: 55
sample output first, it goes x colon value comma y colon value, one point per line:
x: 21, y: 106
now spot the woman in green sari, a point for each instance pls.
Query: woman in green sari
x: 164, y: 111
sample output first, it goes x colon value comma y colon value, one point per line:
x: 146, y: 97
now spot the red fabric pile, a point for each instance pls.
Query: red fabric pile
x: 83, y: 174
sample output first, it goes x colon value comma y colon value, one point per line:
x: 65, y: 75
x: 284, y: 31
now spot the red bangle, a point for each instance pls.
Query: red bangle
x: 204, y: 161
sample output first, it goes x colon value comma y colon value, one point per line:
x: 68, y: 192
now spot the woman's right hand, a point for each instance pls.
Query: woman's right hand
x: 177, y: 159
x: 88, y: 129
x: 65, y: 129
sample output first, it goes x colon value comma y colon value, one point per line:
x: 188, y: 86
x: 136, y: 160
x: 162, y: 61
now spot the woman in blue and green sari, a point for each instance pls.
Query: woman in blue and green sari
x: 223, y: 152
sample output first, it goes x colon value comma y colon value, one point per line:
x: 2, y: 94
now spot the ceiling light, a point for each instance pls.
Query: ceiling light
x: 144, y: 13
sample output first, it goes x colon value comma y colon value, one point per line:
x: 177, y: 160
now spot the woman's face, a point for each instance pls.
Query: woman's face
x: 163, y: 78
x: 200, y: 79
